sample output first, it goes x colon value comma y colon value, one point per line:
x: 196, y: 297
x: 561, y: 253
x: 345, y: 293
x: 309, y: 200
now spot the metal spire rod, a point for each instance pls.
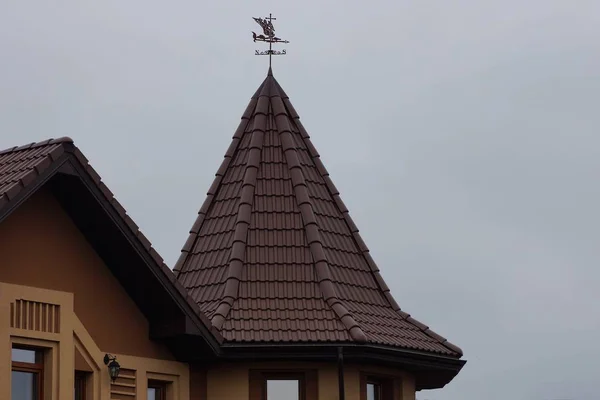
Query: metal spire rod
x: 268, y: 36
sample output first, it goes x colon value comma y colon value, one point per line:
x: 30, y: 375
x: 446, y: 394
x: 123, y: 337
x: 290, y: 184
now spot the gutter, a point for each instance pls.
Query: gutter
x: 342, y: 391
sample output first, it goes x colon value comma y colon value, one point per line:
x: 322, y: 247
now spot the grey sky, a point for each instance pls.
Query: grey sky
x: 463, y: 136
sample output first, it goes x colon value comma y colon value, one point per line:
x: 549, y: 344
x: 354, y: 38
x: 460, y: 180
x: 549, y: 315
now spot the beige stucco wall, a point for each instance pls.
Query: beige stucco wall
x: 41, y: 247
x: 231, y: 381
x: 67, y: 344
x: 56, y: 294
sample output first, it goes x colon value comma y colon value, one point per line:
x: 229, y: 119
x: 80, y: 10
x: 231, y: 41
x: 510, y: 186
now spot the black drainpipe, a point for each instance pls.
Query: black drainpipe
x: 341, y: 374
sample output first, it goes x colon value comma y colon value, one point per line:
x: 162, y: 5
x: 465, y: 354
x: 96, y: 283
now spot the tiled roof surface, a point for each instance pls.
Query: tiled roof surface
x: 274, y: 255
x: 20, y: 166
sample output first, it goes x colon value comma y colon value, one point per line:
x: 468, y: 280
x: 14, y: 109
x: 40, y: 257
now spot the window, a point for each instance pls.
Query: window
x: 27, y: 373
x: 376, y: 387
x: 79, y: 390
x: 283, y: 385
x: 157, y: 390
x: 283, y: 389
x: 373, y: 391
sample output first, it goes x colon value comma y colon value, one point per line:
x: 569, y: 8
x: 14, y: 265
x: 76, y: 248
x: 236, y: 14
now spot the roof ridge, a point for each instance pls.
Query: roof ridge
x: 263, y: 90
x: 360, y: 242
x: 46, y: 142
x: 242, y: 223
x: 313, y: 236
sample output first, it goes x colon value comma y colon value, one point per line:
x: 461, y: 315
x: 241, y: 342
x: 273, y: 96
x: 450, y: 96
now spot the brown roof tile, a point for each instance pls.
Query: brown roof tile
x: 19, y: 166
x: 274, y: 255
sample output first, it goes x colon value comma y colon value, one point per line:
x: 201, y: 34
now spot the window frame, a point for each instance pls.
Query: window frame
x: 285, y: 376
x: 307, y: 382
x: 36, y: 368
x: 386, y: 384
x: 378, y: 390
x: 161, y: 386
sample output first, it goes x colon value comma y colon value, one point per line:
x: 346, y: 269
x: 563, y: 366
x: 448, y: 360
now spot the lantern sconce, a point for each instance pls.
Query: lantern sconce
x: 113, y: 366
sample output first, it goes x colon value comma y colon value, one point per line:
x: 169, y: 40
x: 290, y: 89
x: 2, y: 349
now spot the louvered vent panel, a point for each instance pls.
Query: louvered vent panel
x: 124, y: 387
x: 35, y: 316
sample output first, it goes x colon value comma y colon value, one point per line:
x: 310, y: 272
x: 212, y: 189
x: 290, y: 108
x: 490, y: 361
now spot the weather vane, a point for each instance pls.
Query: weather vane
x: 268, y: 36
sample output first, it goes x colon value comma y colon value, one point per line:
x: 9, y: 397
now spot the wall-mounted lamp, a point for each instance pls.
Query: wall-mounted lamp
x: 113, y: 366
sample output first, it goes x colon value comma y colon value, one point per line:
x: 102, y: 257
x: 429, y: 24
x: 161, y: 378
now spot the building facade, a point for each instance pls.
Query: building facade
x: 275, y: 295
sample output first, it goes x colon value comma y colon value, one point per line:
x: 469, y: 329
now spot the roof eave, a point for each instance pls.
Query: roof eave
x: 432, y: 371
x: 152, y: 259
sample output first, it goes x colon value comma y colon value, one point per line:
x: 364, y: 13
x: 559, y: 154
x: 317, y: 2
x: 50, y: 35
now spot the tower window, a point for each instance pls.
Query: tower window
x: 374, y: 387
x: 283, y: 385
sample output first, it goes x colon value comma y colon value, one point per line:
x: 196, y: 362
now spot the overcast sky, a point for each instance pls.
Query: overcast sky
x: 463, y: 136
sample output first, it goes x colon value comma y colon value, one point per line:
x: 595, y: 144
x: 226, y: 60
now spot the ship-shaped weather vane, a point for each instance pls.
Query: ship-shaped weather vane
x: 268, y: 36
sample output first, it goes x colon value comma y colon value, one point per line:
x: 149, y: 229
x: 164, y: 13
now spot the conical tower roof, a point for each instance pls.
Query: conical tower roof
x: 274, y: 255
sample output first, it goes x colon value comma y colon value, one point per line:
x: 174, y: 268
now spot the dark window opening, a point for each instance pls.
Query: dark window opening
x: 80, y: 385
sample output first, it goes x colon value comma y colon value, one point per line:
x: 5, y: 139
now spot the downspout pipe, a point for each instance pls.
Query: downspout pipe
x: 340, y: 358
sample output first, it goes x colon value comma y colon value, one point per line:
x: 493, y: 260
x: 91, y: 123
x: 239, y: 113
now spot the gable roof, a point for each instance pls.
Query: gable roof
x: 275, y: 257
x: 59, y: 164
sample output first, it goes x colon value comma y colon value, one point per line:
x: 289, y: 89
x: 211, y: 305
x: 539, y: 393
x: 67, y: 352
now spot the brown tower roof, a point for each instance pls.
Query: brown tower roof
x: 274, y: 255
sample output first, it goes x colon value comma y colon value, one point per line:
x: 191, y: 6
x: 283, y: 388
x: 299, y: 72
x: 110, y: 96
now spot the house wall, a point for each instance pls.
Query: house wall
x: 45, y: 319
x: 41, y: 247
x: 57, y: 295
x: 231, y: 381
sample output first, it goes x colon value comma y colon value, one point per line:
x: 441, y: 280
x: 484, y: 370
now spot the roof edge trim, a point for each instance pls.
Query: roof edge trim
x: 424, y: 364
x: 64, y: 139
x: 145, y: 250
